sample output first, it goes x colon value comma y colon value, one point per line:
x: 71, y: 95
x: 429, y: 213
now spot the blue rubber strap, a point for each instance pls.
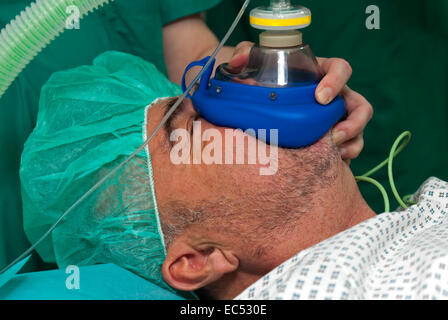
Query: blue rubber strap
x: 200, y: 63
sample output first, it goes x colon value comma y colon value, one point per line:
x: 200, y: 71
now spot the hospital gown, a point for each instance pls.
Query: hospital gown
x: 398, y: 255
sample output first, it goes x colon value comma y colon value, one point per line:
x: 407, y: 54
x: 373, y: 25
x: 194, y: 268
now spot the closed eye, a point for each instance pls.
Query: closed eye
x: 171, y: 124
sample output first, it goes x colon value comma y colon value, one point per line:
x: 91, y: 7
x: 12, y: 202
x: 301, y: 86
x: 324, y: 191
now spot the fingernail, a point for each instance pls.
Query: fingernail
x: 324, y: 95
x: 342, y: 152
x: 339, y: 137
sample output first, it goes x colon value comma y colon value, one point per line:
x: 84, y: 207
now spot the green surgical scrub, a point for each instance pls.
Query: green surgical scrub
x: 402, y: 69
x: 129, y: 26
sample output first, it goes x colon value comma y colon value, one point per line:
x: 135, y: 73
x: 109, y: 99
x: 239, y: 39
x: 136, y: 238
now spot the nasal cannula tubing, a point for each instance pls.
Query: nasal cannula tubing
x: 162, y: 122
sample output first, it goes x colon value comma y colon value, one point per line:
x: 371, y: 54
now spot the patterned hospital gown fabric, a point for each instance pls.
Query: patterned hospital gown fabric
x: 398, y: 255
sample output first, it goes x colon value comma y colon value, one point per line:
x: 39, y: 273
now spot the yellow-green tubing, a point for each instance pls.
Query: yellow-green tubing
x: 31, y: 31
x: 395, y: 150
x: 380, y: 187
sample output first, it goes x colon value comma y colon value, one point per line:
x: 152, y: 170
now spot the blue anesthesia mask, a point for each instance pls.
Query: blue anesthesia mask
x: 276, y: 90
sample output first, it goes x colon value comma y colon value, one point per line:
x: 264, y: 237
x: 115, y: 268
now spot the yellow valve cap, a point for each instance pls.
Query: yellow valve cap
x: 287, y: 19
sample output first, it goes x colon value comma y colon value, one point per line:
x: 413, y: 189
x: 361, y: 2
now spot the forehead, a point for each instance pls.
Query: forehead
x: 155, y: 114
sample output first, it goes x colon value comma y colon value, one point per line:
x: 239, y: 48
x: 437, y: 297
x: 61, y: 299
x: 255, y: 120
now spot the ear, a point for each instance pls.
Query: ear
x: 187, y: 268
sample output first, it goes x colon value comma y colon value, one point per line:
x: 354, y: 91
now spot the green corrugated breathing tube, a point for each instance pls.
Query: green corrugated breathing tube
x: 31, y: 31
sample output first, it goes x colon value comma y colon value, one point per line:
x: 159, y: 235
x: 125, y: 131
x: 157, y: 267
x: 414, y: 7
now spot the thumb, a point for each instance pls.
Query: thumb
x: 240, y: 56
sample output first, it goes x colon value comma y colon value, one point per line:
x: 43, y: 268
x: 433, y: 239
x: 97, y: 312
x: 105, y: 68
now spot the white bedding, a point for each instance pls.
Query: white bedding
x: 398, y: 255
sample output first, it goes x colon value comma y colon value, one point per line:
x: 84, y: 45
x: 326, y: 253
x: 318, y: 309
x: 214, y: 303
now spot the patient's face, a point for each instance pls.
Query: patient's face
x: 235, y: 204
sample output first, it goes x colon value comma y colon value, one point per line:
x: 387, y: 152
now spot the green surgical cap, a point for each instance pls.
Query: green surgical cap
x: 90, y: 119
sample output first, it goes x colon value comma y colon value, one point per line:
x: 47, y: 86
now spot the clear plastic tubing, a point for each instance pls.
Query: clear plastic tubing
x: 31, y: 31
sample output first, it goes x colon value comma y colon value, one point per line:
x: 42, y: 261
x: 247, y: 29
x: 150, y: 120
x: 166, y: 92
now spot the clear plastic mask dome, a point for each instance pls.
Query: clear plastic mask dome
x: 276, y: 67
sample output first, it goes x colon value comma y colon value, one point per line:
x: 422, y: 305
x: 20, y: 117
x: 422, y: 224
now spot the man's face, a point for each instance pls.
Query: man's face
x: 233, y: 205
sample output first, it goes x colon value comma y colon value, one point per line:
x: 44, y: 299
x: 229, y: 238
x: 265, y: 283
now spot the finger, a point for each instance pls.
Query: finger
x: 240, y: 56
x: 360, y: 112
x: 352, y: 149
x: 354, y: 100
x: 337, y: 73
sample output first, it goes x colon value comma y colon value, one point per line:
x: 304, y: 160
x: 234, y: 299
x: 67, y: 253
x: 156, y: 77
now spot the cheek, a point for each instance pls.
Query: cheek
x: 236, y: 147
x: 230, y: 165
